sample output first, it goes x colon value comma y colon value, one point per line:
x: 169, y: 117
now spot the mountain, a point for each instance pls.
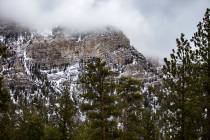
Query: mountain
x: 60, y: 56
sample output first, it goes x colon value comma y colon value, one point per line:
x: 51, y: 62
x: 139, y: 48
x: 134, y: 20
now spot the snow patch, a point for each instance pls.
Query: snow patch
x: 57, y: 77
x: 1, y: 38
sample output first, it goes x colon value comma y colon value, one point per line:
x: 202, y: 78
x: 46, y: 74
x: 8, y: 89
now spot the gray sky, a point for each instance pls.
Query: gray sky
x: 151, y: 25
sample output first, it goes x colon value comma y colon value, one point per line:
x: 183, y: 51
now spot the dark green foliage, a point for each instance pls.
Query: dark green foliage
x: 185, y: 95
x: 112, y: 107
x: 99, y: 104
x: 31, y: 126
x: 66, y: 114
x: 4, y: 94
x: 36, y: 117
x: 148, y: 124
x: 180, y: 107
x: 3, y: 51
x: 131, y: 106
x: 6, y: 125
x: 150, y: 116
x: 201, y: 40
x: 4, y: 98
x: 83, y: 132
x: 51, y: 133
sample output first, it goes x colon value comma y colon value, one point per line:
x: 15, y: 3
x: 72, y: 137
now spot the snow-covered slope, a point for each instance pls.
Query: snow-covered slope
x: 60, y: 57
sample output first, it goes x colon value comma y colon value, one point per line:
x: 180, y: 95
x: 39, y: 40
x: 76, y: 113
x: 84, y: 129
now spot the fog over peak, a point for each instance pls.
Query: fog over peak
x: 151, y: 26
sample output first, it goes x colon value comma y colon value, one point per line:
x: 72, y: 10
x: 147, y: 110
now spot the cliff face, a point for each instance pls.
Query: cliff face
x: 60, y: 57
x: 111, y: 46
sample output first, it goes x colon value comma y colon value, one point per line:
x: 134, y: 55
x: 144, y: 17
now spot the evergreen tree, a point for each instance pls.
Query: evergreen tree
x: 66, y: 114
x: 4, y: 98
x: 51, y: 133
x: 179, y: 102
x: 45, y: 101
x: 150, y: 116
x: 4, y: 94
x: 31, y: 126
x: 82, y: 132
x: 148, y: 124
x: 201, y: 40
x: 131, y: 105
x: 99, y: 101
x: 6, y: 125
x: 5, y: 108
x: 3, y: 51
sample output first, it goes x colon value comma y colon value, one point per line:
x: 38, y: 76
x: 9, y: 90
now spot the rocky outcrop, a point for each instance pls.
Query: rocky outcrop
x: 113, y: 47
x: 59, y: 57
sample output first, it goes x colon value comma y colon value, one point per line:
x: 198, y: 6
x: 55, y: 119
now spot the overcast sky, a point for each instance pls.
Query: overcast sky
x: 151, y: 25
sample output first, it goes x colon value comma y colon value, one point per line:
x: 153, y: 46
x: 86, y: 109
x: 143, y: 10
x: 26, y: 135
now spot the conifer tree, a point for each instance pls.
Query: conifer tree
x: 131, y: 106
x: 99, y: 101
x: 179, y: 101
x: 4, y: 94
x: 3, y: 51
x: 5, y: 102
x: 66, y: 114
x: 201, y: 40
x: 150, y: 116
x: 5, y: 107
x: 51, y: 133
x: 31, y: 126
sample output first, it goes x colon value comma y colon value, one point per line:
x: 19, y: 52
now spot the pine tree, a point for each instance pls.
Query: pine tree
x: 31, y: 126
x: 3, y: 51
x: 5, y: 103
x: 131, y: 105
x: 150, y: 116
x: 179, y: 102
x: 201, y: 40
x: 82, y: 132
x: 45, y: 102
x: 51, y: 133
x: 4, y: 98
x: 4, y: 94
x: 66, y: 114
x: 99, y: 101
x: 5, y: 107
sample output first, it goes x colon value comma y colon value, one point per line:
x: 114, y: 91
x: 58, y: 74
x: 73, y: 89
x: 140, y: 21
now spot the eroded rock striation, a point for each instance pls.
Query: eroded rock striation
x: 59, y: 57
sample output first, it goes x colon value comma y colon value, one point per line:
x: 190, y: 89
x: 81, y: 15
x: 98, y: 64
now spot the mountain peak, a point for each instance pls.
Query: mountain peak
x: 60, y: 55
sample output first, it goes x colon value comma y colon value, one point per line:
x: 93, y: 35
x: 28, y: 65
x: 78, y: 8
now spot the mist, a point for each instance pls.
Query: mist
x: 151, y: 26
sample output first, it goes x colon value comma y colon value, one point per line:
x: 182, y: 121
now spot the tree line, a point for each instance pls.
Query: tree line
x: 107, y: 108
x: 111, y: 107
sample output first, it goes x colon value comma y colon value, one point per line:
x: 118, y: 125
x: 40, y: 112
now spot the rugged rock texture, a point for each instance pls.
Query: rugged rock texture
x: 111, y: 46
x: 60, y: 57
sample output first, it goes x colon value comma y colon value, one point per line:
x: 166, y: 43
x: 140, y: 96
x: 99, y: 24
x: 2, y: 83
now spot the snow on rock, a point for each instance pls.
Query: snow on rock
x: 58, y: 77
x: 1, y: 38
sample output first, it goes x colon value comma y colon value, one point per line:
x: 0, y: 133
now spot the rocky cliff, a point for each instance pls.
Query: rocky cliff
x: 59, y: 57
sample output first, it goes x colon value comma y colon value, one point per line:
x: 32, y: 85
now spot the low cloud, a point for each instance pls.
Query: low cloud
x: 80, y: 15
x: 151, y: 26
